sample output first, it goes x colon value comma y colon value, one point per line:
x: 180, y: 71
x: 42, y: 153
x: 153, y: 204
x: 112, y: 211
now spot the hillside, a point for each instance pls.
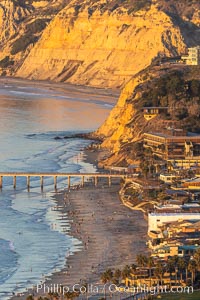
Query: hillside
x: 98, y: 43
x: 174, y: 86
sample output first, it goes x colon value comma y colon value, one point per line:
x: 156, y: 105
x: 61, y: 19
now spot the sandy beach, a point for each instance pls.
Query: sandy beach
x: 111, y: 234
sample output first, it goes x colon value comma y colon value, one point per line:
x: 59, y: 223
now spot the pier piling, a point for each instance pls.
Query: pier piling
x: 55, y: 182
x: 68, y: 182
x: 28, y: 182
x: 42, y: 182
x: 94, y: 176
x: 1, y: 181
x: 82, y: 181
x: 14, y: 182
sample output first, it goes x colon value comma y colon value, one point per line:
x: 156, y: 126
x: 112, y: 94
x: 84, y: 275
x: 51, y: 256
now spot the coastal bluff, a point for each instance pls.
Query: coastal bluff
x: 175, y: 87
x: 92, y: 43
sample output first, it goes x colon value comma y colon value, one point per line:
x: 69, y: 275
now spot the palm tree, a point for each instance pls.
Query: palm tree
x: 172, y: 265
x: 150, y: 264
x: 107, y: 276
x: 117, y: 276
x: 182, y: 264
x: 192, y: 267
x: 159, y: 271
x: 30, y: 297
x: 141, y: 260
x: 71, y: 295
x: 126, y: 272
x: 170, y: 268
x: 197, y: 258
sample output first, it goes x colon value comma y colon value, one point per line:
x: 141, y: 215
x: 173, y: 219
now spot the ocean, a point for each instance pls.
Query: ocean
x: 33, y: 239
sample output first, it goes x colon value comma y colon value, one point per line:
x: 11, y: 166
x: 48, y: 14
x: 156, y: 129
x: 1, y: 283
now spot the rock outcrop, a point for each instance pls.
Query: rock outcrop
x: 98, y: 43
x: 174, y: 86
x: 101, y: 50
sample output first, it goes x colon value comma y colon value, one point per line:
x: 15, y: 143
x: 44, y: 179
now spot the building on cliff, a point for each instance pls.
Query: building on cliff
x: 193, y: 57
x: 192, y: 184
x: 151, y: 112
x: 171, y: 213
x: 180, y: 150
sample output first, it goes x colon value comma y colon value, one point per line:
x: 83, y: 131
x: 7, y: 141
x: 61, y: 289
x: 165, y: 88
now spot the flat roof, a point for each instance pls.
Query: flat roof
x: 163, y: 107
x: 183, y: 247
x: 196, y: 179
x: 179, y: 213
x: 165, y: 135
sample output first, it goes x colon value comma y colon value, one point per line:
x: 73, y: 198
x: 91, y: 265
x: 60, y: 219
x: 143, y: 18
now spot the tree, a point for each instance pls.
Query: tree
x: 197, y: 258
x: 159, y: 271
x: 71, y: 295
x: 30, y: 297
x: 141, y: 260
x: 194, y: 88
x: 170, y: 267
x: 182, y: 264
x: 150, y: 264
x: 117, y: 275
x: 107, y: 276
x: 192, y: 267
x: 126, y: 272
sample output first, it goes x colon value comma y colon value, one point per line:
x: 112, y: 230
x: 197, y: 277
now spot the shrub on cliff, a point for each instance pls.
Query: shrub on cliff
x: 22, y: 43
x: 6, y: 62
x: 36, y: 26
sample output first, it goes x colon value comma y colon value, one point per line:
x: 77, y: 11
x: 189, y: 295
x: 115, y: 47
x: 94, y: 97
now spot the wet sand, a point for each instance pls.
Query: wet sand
x: 101, y: 94
x: 112, y: 235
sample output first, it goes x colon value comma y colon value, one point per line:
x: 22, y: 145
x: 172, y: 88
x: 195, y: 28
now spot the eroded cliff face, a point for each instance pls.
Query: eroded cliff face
x: 98, y: 43
x: 101, y: 49
x: 10, y: 14
x: 174, y: 86
x: 21, y: 25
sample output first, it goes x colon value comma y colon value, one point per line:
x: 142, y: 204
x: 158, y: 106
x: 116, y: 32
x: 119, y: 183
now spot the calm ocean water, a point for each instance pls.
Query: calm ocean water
x: 32, y: 241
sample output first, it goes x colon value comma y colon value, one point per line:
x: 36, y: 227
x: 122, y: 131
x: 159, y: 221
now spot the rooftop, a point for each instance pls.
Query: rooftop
x: 196, y: 179
x: 165, y: 135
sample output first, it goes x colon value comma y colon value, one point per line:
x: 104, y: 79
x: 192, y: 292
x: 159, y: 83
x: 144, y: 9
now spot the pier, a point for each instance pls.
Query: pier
x: 68, y: 176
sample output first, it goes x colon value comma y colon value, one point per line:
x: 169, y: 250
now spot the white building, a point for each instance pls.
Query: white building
x: 193, y: 57
x: 168, y: 178
x: 172, y: 213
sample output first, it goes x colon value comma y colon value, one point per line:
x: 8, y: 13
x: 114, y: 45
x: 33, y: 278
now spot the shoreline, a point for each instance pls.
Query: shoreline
x: 108, y: 241
x: 113, y: 94
x: 111, y: 234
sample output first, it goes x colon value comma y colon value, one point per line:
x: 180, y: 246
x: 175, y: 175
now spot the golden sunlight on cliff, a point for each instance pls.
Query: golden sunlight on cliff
x: 114, y: 128
x: 101, y: 50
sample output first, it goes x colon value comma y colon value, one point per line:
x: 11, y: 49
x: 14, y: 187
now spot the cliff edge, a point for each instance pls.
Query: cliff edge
x: 98, y: 43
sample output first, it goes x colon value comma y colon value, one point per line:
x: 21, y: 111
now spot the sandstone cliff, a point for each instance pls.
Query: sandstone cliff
x: 98, y: 43
x: 176, y: 87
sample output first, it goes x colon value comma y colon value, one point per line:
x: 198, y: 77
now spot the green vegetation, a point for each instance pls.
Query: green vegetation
x: 36, y: 26
x: 186, y: 270
x: 139, y: 5
x: 30, y: 297
x: 6, y: 62
x: 22, y: 43
x: 19, y: 2
x: 180, y: 94
x: 193, y: 296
